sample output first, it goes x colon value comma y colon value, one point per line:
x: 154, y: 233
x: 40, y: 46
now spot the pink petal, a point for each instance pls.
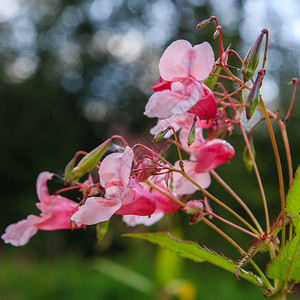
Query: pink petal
x: 137, y: 201
x: 163, y: 203
x: 202, y: 62
x: 41, y: 186
x: 175, y: 61
x: 161, y: 85
x: 182, y: 186
x: 96, y: 210
x: 167, y: 103
x: 114, y: 173
x: 206, y: 107
x: 57, y: 217
x: 19, y: 234
x: 132, y: 220
x: 213, y: 153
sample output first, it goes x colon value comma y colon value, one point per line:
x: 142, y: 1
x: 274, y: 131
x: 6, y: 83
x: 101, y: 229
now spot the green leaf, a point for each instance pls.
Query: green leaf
x: 68, y: 169
x: 287, y: 264
x: 192, y: 250
x: 293, y: 201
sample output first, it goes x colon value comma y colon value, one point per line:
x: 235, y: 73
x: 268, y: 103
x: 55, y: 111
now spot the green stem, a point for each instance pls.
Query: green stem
x: 261, y: 188
x: 234, y: 244
x: 279, y: 168
x: 238, y: 199
x: 216, y: 200
x: 154, y: 186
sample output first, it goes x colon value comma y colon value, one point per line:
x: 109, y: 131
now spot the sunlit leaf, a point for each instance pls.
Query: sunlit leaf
x: 192, y: 250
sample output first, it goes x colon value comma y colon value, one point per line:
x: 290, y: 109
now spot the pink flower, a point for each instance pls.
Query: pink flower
x: 55, y: 214
x: 183, y: 121
x: 163, y: 205
x: 208, y: 154
x: 183, y: 186
x: 123, y: 195
x: 179, y: 90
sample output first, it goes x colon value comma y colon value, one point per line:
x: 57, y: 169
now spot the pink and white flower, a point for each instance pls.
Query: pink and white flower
x: 55, y: 214
x: 123, y: 195
x: 180, y: 88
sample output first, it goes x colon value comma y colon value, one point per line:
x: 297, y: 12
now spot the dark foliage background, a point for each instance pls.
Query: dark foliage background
x: 75, y: 72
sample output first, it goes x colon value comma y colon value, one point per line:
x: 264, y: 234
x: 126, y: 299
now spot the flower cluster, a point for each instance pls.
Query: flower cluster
x: 140, y: 189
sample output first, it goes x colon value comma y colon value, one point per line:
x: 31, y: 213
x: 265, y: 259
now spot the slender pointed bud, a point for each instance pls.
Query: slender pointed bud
x: 246, y: 155
x: 216, y: 34
x: 192, y: 133
x: 89, y: 161
x: 69, y: 167
x: 251, y: 59
x: 203, y: 23
x: 101, y: 230
x: 160, y: 135
x: 253, y: 97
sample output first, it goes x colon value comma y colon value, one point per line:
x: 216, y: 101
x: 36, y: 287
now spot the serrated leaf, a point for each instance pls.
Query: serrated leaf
x: 293, y: 200
x: 287, y: 264
x: 192, y: 250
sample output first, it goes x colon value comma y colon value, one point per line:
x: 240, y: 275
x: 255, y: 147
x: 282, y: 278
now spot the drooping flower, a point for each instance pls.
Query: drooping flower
x: 55, y: 214
x: 164, y: 205
x: 123, y: 195
x: 180, y: 88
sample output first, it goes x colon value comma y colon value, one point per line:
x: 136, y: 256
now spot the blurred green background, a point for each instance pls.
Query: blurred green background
x: 75, y: 72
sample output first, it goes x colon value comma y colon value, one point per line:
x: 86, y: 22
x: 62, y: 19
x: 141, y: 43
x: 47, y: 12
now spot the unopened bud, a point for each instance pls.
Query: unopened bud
x: 211, y: 81
x: 89, y: 161
x: 246, y: 155
x: 160, y: 135
x: 253, y: 97
x: 69, y: 167
x: 218, y: 124
x: 203, y: 23
x: 192, y: 133
x: 145, y: 168
x: 194, y: 206
x: 251, y: 59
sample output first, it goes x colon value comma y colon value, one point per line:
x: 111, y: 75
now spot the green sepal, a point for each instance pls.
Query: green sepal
x: 89, y: 161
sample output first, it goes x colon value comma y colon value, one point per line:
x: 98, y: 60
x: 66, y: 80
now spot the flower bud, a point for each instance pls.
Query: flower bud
x: 145, y: 168
x: 192, y: 133
x: 194, y: 206
x: 218, y: 124
x: 89, y: 161
x: 160, y: 135
x: 246, y: 155
x: 203, y: 23
x: 253, y: 97
x: 251, y: 59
